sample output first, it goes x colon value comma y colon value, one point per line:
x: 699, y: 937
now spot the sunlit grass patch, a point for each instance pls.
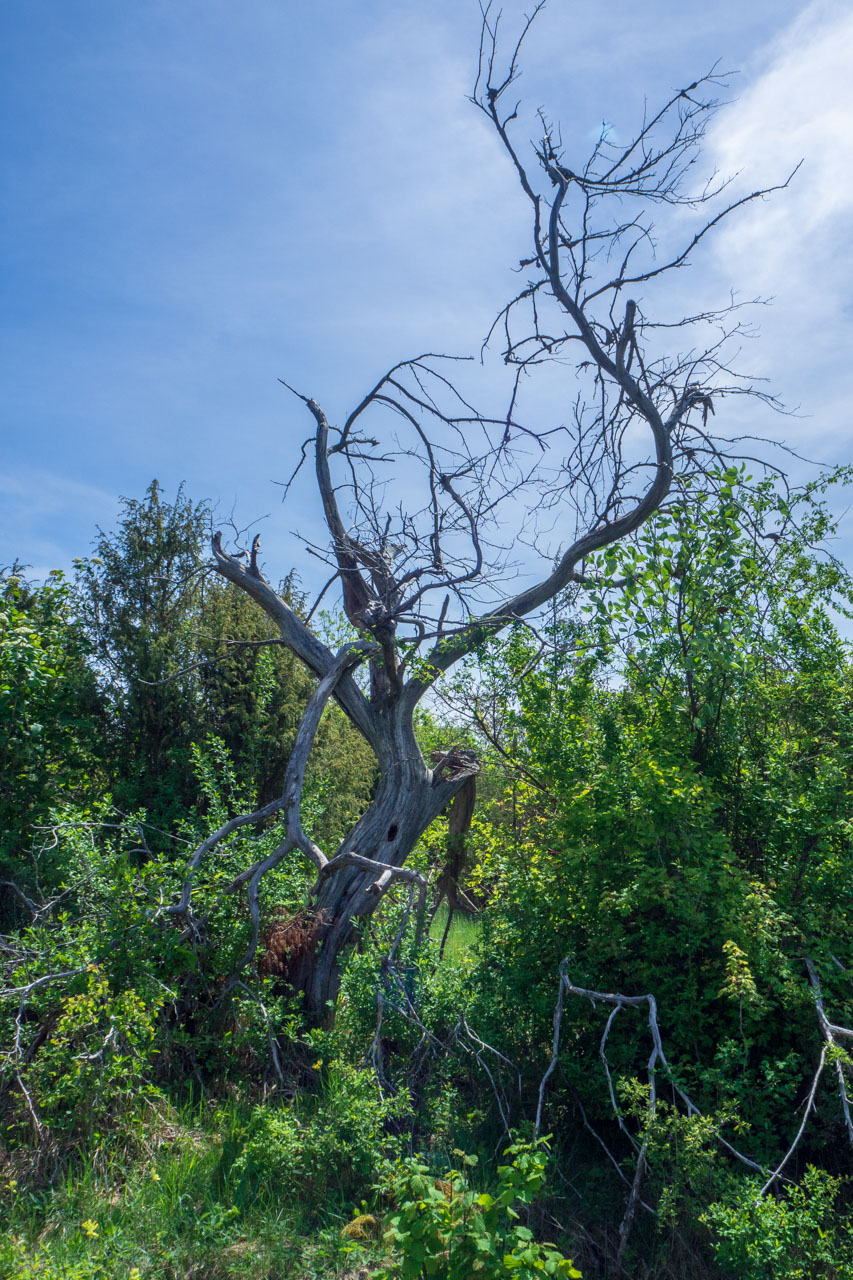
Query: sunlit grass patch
x: 463, y: 937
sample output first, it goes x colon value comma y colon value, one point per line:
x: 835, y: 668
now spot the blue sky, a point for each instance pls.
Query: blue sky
x: 201, y: 197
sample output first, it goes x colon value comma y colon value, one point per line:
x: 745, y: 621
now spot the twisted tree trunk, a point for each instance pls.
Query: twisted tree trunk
x: 409, y: 797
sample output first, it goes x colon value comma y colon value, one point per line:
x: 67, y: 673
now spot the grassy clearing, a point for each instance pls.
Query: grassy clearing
x: 170, y: 1215
x: 463, y: 937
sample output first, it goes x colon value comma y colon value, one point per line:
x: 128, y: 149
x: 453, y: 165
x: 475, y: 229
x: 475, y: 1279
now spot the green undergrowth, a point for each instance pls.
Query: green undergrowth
x: 271, y: 1192
x: 215, y: 1196
x: 665, y: 809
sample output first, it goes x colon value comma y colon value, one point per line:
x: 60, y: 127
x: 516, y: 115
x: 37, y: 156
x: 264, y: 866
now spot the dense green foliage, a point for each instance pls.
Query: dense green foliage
x: 183, y: 658
x: 442, y: 1227
x: 48, y: 709
x: 685, y: 832
x: 665, y: 806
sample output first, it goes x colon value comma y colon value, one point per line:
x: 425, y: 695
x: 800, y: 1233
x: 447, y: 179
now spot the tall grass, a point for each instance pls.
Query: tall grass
x: 170, y: 1215
x: 462, y: 939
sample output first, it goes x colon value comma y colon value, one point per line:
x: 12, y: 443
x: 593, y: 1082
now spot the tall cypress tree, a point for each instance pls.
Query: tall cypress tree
x: 181, y: 657
x: 141, y: 597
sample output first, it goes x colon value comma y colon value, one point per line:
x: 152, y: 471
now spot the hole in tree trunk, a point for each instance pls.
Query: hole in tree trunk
x: 392, y: 832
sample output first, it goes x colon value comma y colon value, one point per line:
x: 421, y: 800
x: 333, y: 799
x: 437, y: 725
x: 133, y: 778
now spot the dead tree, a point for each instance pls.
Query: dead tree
x: 423, y: 572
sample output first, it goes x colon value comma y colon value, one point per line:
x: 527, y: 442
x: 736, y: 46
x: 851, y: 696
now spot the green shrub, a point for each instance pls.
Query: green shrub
x: 444, y: 1229
x: 93, y: 1067
x: 339, y: 1144
x: 795, y: 1237
x: 18, y: 1262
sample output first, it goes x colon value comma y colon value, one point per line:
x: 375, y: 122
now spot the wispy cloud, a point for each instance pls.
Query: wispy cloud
x: 796, y: 246
x: 34, y: 501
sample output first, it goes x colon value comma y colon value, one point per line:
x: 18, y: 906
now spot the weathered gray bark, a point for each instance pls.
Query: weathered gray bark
x: 409, y: 798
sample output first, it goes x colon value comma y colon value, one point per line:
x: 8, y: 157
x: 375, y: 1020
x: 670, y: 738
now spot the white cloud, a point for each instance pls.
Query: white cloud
x: 796, y: 245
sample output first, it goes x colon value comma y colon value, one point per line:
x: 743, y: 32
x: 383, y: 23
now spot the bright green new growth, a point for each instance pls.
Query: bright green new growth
x: 445, y: 1229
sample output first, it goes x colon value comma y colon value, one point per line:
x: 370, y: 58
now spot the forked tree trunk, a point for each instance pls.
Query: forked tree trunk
x: 408, y: 798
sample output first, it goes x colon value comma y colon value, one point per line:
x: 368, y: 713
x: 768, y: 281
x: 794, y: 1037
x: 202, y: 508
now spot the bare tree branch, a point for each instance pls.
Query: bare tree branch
x: 830, y: 1032
x: 439, y: 496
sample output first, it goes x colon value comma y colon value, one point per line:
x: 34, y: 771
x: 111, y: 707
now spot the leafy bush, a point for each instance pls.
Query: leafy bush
x: 444, y: 1229
x: 19, y: 1264
x: 93, y: 1067
x: 337, y: 1144
x: 798, y: 1236
x: 48, y: 710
